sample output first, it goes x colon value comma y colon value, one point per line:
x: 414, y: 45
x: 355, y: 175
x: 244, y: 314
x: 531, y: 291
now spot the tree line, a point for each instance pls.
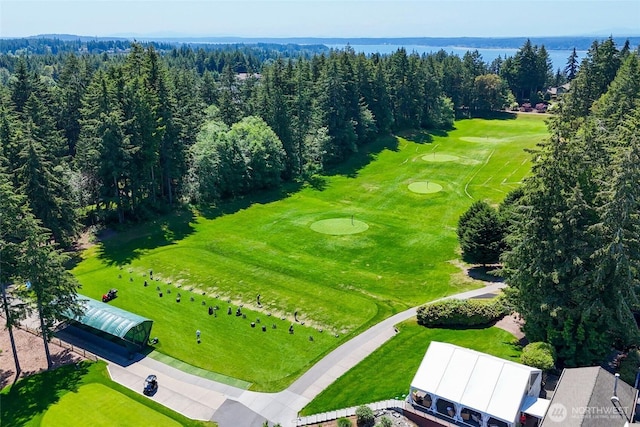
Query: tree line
x: 569, y: 237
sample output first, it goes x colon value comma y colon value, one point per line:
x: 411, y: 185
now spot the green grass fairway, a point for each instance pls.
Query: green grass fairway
x: 425, y: 187
x: 438, y: 157
x: 106, y: 407
x: 341, y: 284
x: 339, y: 226
x: 387, y: 373
x: 82, y: 394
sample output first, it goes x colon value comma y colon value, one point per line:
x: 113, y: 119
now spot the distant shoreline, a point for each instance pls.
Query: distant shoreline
x: 550, y: 43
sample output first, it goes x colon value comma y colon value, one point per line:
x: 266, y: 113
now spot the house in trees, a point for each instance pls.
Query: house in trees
x: 555, y: 93
x: 591, y: 397
x: 469, y: 388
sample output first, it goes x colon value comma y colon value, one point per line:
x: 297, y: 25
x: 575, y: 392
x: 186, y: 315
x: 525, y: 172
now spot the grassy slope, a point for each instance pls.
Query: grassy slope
x: 387, y: 373
x: 338, y: 283
x: 82, y: 393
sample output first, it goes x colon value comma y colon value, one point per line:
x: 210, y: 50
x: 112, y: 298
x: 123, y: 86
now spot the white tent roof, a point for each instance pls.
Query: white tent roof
x: 476, y: 380
x: 535, y: 406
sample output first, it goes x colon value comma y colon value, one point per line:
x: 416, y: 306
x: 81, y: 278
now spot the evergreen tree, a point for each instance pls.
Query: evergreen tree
x: 48, y: 192
x: 228, y: 100
x: 480, y: 234
x: 72, y: 84
x: 572, y: 65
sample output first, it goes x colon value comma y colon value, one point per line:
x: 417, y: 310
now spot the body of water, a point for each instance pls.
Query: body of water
x: 558, y: 57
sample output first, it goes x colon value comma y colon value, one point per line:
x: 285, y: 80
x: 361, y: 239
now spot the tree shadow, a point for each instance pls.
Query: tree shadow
x: 5, y: 377
x: 317, y: 182
x: 123, y: 246
x: 231, y: 206
x: 33, y: 395
x: 490, y: 115
x: 485, y: 273
x: 366, y: 154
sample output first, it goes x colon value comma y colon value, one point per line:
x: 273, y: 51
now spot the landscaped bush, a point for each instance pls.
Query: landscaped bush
x: 344, y: 422
x: 385, y: 422
x: 539, y: 355
x: 454, y: 312
x: 365, y: 416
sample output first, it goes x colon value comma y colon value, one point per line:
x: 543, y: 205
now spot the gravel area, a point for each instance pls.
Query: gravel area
x: 31, y: 355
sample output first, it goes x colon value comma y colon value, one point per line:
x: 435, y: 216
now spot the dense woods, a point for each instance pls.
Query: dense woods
x: 574, y: 255
x: 117, y: 132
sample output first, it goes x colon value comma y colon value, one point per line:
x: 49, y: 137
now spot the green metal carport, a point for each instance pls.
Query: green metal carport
x: 128, y: 327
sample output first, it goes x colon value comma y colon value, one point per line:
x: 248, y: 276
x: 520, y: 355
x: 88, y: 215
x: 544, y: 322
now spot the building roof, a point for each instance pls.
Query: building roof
x: 107, y: 318
x: 583, y: 399
x: 476, y: 380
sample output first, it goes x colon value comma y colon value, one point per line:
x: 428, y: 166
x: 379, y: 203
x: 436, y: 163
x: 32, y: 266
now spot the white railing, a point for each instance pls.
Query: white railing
x: 348, y: 412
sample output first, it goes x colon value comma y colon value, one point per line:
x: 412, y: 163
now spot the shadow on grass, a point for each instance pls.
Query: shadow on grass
x: 33, y: 395
x: 485, y: 273
x: 123, y: 246
x: 263, y: 197
x: 422, y: 136
x: 366, y: 154
x: 490, y: 115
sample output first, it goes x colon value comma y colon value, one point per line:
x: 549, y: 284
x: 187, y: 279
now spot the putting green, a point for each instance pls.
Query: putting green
x: 425, y: 187
x: 437, y: 157
x: 339, y: 226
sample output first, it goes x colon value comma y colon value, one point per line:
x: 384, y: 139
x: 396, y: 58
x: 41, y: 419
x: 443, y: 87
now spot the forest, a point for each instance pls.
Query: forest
x: 126, y: 131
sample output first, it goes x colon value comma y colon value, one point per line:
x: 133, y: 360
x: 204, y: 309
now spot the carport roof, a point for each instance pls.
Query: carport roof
x: 107, y: 318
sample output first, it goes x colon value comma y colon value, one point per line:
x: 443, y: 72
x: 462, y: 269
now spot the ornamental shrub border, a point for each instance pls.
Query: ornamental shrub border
x: 455, y: 312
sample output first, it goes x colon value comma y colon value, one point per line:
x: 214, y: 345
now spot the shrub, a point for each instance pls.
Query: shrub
x: 385, y: 422
x: 539, y: 355
x: 344, y: 422
x: 365, y: 416
x: 454, y: 312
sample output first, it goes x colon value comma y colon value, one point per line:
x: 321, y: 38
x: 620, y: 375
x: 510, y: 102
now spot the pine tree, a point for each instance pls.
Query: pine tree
x: 572, y: 65
x: 48, y: 192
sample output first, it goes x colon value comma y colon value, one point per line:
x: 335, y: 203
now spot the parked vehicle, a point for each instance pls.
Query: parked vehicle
x: 150, y: 385
x: 112, y: 294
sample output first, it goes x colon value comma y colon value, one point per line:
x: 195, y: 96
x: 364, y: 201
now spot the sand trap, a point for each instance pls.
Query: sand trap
x: 425, y: 187
x: 437, y: 157
x: 339, y: 226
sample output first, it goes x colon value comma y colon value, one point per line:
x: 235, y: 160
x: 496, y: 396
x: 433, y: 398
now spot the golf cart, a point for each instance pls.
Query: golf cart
x: 150, y: 385
x: 112, y: 294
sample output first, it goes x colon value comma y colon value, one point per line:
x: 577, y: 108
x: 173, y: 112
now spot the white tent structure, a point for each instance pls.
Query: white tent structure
x: 474, y: 388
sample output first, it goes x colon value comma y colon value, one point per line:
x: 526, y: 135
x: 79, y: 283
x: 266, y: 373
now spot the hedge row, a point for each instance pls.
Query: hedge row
x: 455, y: 312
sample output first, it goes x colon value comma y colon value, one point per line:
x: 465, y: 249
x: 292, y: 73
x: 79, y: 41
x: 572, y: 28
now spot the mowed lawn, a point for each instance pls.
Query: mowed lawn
x: 387, y: 372
x: 339, y: 284
x: 105, y: 407
x: 82, y: 394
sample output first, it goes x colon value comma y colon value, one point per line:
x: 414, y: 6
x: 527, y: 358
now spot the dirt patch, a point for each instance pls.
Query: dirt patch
x: 31, y: 355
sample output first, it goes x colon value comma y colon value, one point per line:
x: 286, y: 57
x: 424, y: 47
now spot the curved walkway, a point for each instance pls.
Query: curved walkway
x: 204, y: 399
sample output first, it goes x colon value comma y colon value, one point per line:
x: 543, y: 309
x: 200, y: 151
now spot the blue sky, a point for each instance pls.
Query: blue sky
x: 321, y: 18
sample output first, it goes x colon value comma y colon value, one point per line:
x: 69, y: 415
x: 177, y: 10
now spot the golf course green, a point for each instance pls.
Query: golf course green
x: 327, y: 283
x: 339, y: 226
x: 425, y: 187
